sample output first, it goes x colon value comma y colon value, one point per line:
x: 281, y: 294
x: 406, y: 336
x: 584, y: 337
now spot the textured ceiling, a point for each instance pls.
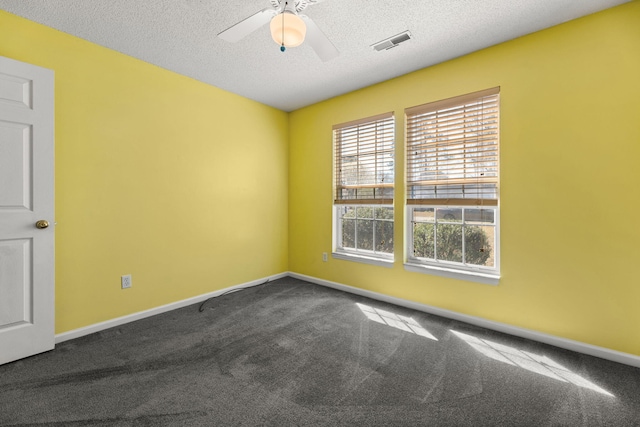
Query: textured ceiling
x: 180, y: 35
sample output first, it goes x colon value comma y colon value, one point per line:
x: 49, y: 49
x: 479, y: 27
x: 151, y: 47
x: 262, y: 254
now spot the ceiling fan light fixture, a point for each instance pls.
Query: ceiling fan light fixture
x: 288, y: 29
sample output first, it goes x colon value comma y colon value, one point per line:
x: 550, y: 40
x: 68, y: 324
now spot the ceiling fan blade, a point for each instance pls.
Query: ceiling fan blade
x: 247, y: 26
x: 318, y: 41
x: 302, y: 4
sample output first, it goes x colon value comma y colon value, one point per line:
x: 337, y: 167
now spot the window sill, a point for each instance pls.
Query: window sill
x: 471, y: 276
x: 380, y: 262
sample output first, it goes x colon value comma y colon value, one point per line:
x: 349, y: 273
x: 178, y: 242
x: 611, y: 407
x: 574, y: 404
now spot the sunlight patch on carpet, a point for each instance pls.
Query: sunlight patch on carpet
x: 403, y: 323
x: 542, y: 365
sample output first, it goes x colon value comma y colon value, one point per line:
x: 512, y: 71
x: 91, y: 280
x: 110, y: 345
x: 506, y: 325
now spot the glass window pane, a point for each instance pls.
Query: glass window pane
x: 449, y: 215
x: 347, y: 193
x: 365, y: 212
x: 365, y: 235
x: 423, y: 214
x: 384, y: 193
x: 449, y: 191
x: 449, y: 242
x: 422, y: 192
x: 486, y: 216
x: 384, y: 236
x: 478, y: 243
x: 423, y: 243
x: 349, y: 233
x: 366, y: 193
x: 347, y: 212
x: 384, y: 213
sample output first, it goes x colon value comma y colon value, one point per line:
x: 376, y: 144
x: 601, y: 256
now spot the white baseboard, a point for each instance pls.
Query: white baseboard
x: 97, y: 327
x: 577, y: 346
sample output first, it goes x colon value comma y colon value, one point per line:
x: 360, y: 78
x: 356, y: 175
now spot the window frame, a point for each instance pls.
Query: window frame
x: 372, y: 200
x: 354, y: 254
x: 450, y: 269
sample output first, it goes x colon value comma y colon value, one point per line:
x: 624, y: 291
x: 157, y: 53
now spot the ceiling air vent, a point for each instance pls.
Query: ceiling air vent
x: 394, y: 41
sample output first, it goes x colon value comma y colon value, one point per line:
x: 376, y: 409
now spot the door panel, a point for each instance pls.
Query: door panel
x: 15, y: 165
x: 15, y: 301
x: 16, y: 90
x: 26, y: 196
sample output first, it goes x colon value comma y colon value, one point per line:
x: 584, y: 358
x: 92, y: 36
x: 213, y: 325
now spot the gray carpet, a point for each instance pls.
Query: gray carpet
x: 291, y: 353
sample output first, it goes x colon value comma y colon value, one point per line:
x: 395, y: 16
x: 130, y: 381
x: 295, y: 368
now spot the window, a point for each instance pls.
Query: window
x: 452, y: 186
x: 363, y: 195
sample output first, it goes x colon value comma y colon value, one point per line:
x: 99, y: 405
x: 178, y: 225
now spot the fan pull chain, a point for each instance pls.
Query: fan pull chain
x: 282, y: 48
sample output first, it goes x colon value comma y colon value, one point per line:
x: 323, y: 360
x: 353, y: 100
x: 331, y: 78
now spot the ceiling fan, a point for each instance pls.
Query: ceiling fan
x: 288, y: 27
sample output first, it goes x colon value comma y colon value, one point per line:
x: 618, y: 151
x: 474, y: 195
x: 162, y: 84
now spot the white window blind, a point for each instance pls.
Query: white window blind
x: 452, y: 150
x: 364, y: 160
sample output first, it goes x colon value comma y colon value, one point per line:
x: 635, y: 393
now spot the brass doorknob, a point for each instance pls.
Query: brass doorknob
x: 42, y: 224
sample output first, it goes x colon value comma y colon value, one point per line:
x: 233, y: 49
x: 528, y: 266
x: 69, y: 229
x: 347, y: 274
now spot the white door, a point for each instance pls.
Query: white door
x: 26, y: 197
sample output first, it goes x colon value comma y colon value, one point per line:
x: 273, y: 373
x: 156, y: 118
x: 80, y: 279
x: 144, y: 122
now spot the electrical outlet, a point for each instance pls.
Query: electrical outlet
x: 324, y: 257
x: 125, y: 281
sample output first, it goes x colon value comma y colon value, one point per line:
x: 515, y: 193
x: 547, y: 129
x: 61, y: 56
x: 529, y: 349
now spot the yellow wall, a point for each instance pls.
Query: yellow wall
x: 570, y: 146
x: 157, y: 175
